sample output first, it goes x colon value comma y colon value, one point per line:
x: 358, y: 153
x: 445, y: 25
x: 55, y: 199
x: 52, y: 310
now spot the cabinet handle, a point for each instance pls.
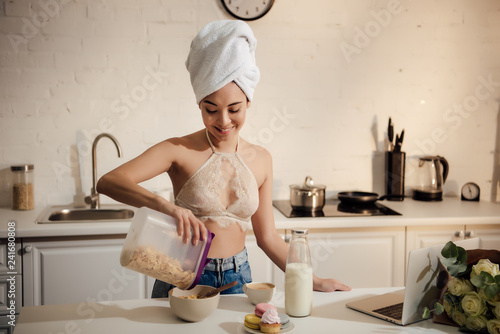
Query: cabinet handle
x: 287, y: 239
x: 28, y: 249
x: 459, y: 234
x: 470, y: 234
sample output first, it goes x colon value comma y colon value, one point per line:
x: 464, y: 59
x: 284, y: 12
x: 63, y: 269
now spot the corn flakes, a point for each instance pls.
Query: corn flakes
x: 152, y: 262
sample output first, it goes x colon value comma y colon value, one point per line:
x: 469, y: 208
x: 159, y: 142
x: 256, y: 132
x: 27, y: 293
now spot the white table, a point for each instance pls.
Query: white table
x: 155, y: 316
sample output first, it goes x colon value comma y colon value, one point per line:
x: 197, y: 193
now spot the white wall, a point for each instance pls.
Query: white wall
x: 333, y: 72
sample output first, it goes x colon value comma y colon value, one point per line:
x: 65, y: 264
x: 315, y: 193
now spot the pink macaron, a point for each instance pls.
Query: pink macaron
x: 261, y: 308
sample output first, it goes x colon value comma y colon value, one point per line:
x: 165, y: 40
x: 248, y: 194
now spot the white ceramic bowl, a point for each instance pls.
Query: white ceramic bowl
x: 192, y: 310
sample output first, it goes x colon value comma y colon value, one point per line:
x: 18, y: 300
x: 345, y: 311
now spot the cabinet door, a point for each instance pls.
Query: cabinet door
x: 427, y: 236
x: 489, y: 235
x: 360, y: 258
x: 78, y: 270
x: 10, y: 294
x: 262, y: 267
x: 11, y: 289
x: 10, y: 259
x: 6, y: 324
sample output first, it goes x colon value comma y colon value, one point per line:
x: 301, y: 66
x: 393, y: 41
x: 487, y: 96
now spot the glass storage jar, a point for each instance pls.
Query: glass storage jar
x: 22, y: 187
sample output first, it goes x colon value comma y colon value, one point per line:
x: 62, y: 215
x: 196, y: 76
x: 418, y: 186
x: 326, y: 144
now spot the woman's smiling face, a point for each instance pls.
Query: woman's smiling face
x: 224, y: 112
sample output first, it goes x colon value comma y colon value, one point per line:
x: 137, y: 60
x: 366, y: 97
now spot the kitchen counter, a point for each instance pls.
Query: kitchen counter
x: 450, y: 211
x: 155, y: 316
x: 447, y: 212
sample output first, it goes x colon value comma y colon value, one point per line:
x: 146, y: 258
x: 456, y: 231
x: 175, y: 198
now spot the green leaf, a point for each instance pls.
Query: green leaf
x: 478, y: 281
x: 465, y: 274
x: 449, y: 250
x: 462, y: 255
x: 449, y: 261
x: 491, y: 291
x: 438, y: 309
x: 497, y: 279
x: 426, y: 314
x: 455, y: 258
x: 456, y: 269
x: 482, y: 279
x: 451, y: 299
x: 488, y: 278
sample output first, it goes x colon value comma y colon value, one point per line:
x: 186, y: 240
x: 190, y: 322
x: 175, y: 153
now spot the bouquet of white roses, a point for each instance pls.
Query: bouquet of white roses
x: 472, y: 294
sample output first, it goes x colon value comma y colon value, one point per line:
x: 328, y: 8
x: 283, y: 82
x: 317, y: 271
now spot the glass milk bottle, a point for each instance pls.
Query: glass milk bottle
x: 298, y: 276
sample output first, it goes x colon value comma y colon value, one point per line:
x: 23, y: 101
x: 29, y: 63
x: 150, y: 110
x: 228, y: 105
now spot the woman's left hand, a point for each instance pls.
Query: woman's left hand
x: 329, y: 285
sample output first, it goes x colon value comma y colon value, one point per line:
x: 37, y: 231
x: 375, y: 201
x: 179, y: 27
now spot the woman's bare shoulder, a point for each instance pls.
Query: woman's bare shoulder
x: 188, y: 142
x: 258, y: 152
x: 258, y: 159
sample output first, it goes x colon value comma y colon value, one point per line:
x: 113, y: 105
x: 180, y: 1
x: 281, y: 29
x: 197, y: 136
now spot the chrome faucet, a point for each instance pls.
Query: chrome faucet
x: 93, y: 199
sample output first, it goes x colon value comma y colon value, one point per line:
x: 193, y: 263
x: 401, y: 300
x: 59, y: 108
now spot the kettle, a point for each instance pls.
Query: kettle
x: 431, y: 175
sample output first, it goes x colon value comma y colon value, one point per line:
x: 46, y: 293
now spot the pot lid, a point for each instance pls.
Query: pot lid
x: 308, y: 185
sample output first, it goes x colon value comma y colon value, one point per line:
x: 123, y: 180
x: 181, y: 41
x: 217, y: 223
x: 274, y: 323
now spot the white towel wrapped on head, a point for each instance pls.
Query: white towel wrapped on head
x: 222, y: 52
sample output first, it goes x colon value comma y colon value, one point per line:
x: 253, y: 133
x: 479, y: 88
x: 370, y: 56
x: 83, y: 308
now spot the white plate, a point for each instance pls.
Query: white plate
x: 286, y: 329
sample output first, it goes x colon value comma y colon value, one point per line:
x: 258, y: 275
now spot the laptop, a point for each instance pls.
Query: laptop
x: 404, y: 307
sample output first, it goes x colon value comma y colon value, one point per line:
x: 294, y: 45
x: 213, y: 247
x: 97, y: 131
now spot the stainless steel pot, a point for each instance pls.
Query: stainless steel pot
x: 307, y: 196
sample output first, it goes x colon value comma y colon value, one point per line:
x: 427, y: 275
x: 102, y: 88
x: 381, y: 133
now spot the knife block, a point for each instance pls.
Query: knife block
x: 395, y: 175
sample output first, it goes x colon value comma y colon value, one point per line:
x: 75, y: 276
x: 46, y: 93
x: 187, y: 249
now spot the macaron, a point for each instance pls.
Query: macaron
x: 261, y: 308
x: 252, y: 321
x: 285, y: 319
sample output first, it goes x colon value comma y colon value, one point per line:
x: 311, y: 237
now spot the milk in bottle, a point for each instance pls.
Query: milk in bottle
x: 298, y: 276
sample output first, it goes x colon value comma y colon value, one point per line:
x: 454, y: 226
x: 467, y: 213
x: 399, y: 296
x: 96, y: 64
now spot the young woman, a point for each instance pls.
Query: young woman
x: 220, y: 181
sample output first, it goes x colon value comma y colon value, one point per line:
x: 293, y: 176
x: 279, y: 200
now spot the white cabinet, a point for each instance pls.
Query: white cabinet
x: 10, y: 282
x: 489, y: 235
x: 426, y: 236
x: 359, y: 257
x: 263, y: 269
x: 78, y: 270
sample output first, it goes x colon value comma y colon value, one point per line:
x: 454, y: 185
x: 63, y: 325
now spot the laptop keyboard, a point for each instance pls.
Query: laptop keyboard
x: 394, y: 311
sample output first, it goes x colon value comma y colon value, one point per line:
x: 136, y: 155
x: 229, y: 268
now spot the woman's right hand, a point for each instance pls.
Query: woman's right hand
x: 187, y: 224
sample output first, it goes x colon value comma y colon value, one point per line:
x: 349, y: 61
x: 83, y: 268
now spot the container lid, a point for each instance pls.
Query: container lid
x: 308, y: 185
x: 204, y: 260
x: 22, y: 168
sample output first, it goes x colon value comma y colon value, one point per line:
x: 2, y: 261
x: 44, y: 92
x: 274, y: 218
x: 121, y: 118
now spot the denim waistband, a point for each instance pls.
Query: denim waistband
x: 233, y: 262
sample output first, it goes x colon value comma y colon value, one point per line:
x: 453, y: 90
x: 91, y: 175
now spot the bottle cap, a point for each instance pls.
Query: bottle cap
x: 301, y: 231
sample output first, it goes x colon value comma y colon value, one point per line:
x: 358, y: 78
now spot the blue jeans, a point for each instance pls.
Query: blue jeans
x: 217, y: 273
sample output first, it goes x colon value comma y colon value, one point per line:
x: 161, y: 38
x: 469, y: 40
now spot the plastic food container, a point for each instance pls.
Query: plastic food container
x: 153, y: 248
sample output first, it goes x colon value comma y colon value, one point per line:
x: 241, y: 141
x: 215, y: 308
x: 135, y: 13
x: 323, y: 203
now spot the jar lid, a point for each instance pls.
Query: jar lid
x: 22, y: 168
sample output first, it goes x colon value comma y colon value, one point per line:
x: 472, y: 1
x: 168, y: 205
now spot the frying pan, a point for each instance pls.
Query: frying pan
x: 362, y: 197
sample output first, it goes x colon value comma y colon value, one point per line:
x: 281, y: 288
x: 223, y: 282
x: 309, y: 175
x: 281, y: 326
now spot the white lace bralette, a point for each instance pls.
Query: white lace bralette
x: 223, y: 190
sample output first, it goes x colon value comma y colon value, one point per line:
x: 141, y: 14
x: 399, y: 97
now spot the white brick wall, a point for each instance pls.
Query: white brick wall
x: 70, y: 70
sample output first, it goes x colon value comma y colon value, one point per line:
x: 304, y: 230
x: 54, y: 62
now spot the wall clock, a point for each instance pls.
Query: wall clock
x: 470, y: 192
x: 247, y: 10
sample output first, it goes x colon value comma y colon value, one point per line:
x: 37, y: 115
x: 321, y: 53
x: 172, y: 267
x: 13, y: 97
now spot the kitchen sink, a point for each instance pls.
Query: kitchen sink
x: 54, y: 215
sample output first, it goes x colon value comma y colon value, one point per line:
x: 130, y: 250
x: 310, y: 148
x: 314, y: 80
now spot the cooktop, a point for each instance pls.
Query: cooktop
x: 335, y: 208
